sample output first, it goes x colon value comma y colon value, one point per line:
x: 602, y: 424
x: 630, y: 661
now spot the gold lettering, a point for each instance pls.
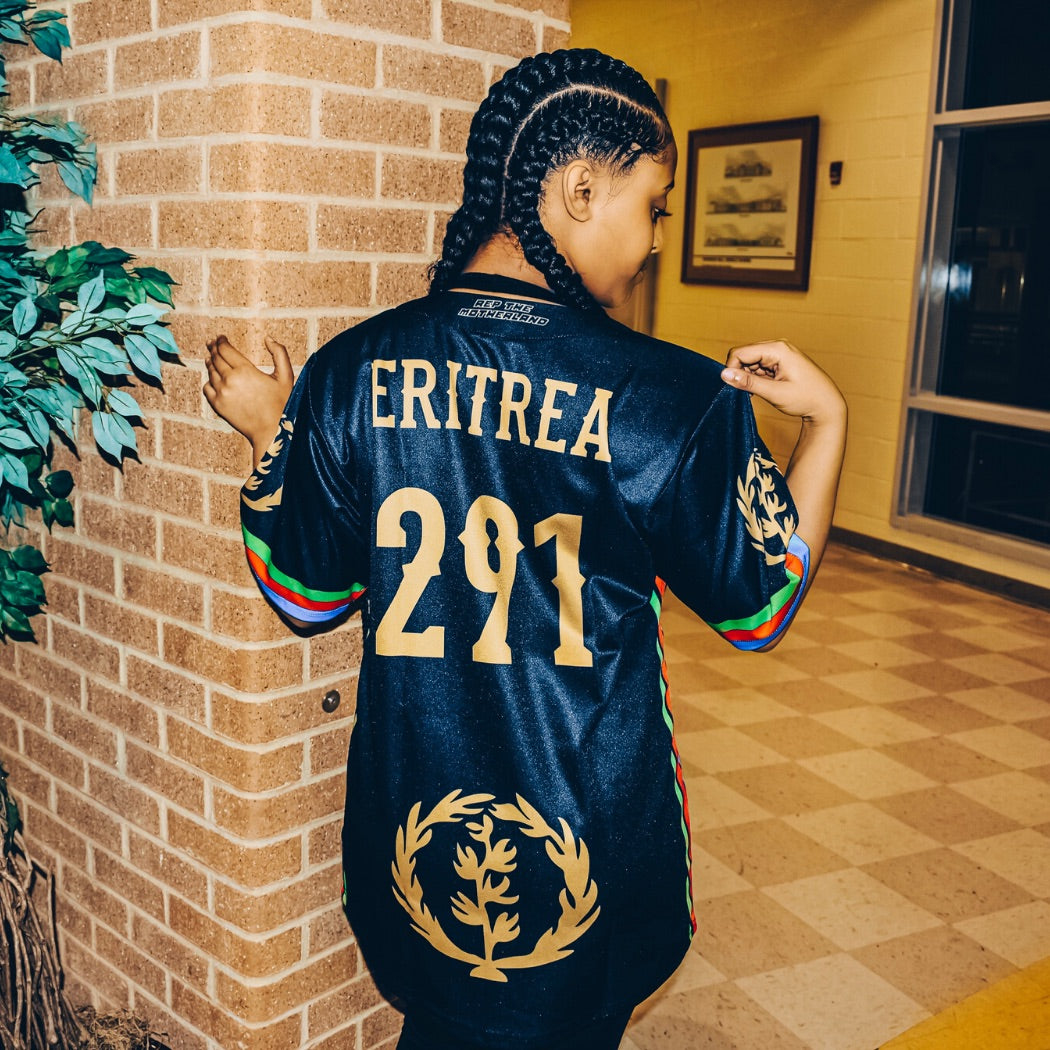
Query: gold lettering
x: 548, y: 412
x: 378, y: 390
x: 566, y: 530
x: 595, y: 429
x: 412, y: 392
x: 420, y: 383
x: 482, y: 377
x: 392, y: 636
x: 452, y: 423
x: 508, y: 406
x: 492, y: 647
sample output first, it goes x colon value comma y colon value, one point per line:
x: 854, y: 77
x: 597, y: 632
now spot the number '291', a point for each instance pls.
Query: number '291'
x: 392, y: 639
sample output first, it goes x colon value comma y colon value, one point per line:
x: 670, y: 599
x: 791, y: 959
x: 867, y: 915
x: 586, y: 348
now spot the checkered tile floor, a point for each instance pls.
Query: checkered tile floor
x: 870, y: 813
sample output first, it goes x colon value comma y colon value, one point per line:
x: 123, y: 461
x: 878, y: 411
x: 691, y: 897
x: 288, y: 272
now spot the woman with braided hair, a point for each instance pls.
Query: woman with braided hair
x: 504, y: 480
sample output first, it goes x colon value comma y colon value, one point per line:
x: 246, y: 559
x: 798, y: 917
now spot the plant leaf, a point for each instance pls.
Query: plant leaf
x: 12, y: 31
x: 29, y: 559
x: 85, y: 377
x: 36, y: 423
x: 91, y: 294
x: 79, y: 174
x: 123, y: 404
x: 61, y: 512
x: 14, y: 471
x: 59, y: 263
x: 144, y: 314
x: 15, y: 438
x: 156, y: 283
x: 143, y: 354
x: 122, y: 430
x: 50, y: 37
x: 15, y: 620
x: 59, y: 484
x: 25, y: 315
x: 10, y: 168
x: 104, y: 438
x: 161, y: 338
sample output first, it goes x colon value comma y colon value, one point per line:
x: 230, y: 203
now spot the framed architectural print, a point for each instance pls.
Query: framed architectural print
x: 749, y: 204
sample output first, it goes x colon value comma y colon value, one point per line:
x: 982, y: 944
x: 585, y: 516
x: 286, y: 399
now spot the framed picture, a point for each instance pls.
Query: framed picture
x: 749, y: 204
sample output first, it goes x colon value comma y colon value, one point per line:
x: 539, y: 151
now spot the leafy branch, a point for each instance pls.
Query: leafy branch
x: 497, y: 859
x: 76, y: 328
x: 761, y: 507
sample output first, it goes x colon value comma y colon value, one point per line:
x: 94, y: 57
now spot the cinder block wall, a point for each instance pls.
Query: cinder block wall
x: 292, y: 163
x: 865, y: 67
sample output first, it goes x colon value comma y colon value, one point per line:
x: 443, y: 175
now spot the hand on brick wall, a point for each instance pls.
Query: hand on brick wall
x: 246, y: 397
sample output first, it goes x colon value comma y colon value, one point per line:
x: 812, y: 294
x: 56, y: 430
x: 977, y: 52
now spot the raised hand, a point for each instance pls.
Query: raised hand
x: 250, y: 400
x: 782, y: 375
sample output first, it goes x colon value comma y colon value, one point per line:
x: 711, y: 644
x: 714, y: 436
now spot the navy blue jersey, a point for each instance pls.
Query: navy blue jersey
x: 505, y: 487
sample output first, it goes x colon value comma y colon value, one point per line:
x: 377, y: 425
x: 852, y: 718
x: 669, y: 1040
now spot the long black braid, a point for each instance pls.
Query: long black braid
x: 545, y: 112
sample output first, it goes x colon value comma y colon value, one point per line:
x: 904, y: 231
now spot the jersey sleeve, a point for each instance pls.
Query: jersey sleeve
x: 731, y: 553
x: 300, y: 515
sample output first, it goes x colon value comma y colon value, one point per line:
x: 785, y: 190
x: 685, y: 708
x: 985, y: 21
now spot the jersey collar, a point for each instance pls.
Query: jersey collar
x: 497, y: 284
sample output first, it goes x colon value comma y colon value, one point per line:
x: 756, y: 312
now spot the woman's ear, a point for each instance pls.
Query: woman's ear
x: 577, y: 186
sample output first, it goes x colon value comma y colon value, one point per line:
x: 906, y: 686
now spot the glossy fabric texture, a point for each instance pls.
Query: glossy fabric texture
x: 512, y: 481
x: 421, y: 1034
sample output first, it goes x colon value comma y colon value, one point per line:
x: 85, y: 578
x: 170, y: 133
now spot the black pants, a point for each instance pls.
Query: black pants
x: 606, y: 1034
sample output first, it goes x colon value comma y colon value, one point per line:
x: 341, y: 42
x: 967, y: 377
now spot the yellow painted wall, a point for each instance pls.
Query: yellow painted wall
x: 864, y: 67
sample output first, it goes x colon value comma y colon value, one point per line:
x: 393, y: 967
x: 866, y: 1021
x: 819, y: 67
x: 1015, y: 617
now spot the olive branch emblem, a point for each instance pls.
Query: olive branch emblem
x: 760, y: 505
x: 486, y: 870
x: 265, y: 464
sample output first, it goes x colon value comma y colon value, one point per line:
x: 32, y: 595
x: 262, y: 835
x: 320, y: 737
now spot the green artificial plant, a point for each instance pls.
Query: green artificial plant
x: 76, y: 328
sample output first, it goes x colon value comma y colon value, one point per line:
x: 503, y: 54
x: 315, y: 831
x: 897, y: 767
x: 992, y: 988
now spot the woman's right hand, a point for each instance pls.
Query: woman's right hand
x: 779, y: 373
x: 250, y: 400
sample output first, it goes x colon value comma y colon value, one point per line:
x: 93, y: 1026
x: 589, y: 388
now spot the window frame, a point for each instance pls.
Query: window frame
x: 921, y: 400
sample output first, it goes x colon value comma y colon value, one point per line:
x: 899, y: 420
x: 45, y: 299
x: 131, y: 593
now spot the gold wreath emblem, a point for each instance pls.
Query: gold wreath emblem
x: 758, y: 502
x: 487, y: 873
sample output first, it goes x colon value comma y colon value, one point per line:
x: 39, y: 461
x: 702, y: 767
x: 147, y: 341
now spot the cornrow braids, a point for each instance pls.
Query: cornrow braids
x: 546, y: 111
x: 494, y: 124
x: 527, y: 173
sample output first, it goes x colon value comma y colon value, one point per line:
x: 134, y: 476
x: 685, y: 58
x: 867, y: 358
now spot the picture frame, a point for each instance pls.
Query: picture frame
x: 749, y: 204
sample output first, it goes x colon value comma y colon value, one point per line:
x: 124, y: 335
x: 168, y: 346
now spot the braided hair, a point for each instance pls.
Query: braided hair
x: 545, y: 112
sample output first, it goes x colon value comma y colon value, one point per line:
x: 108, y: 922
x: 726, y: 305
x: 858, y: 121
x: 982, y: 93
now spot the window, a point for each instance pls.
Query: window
x: 976, y: 454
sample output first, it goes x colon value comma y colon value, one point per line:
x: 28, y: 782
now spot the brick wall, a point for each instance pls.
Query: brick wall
x: 292, y: 164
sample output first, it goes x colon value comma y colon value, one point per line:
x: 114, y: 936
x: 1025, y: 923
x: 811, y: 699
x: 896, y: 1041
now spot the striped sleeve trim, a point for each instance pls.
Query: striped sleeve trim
x: 288, y: 594
x: 767, y: 624
x: 656, y: 602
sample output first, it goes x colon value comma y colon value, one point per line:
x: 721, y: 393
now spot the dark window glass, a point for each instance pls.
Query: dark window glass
x: 989, y: 476
x: 997, y: 325
x: 1007, y: 57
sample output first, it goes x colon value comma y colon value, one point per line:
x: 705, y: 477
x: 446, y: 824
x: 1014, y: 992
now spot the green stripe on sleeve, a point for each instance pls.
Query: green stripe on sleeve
x: 257, y: 547
x: 776, y: 603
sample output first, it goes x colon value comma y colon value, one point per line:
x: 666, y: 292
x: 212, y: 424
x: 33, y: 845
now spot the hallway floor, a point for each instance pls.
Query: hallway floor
x: 870, y: 810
